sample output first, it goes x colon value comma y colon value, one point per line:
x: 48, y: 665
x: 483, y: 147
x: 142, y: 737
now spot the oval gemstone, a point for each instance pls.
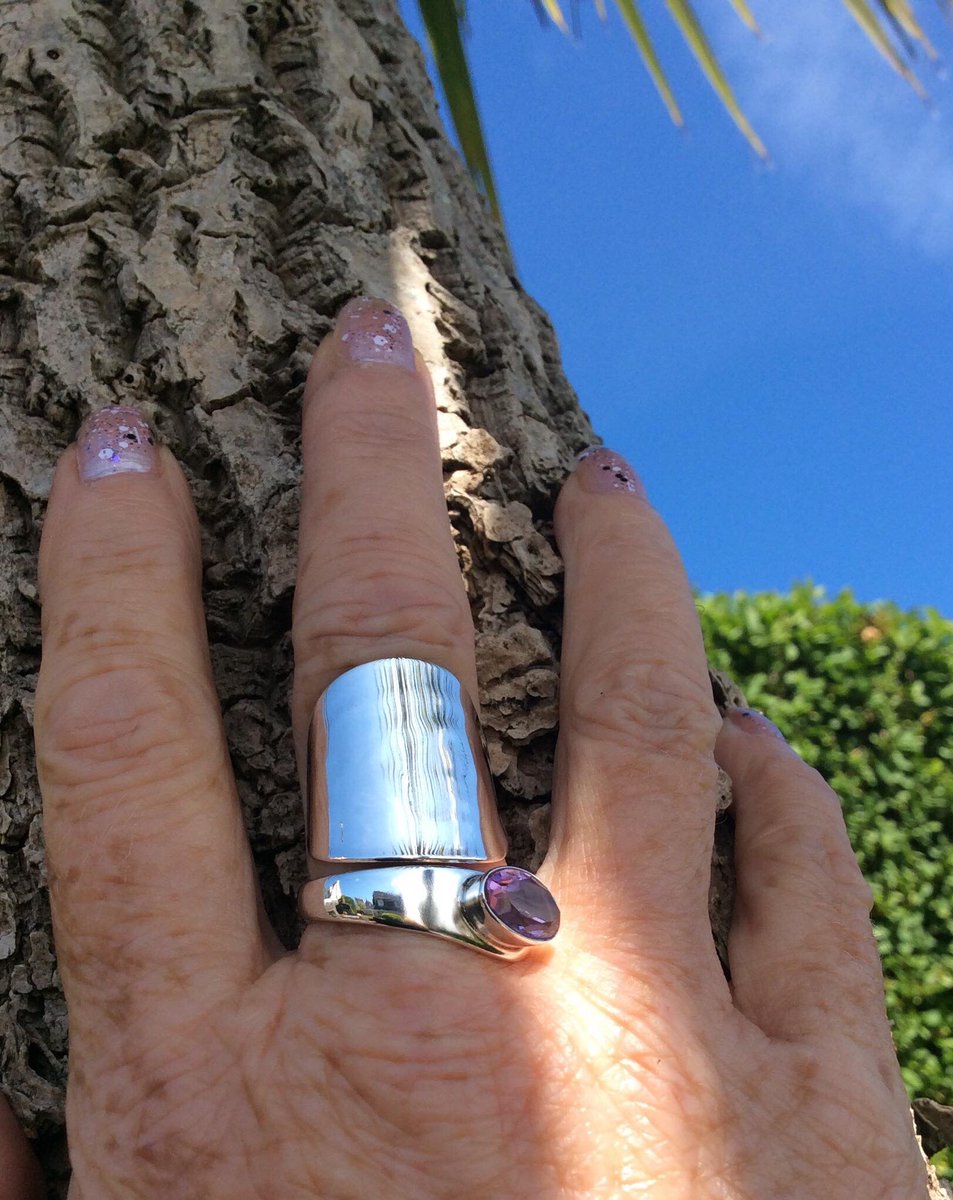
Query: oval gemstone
x: 517, y: 899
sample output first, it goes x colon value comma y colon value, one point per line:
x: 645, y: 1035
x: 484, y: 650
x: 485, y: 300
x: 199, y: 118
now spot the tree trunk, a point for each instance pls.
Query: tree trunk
x: 188, y: 193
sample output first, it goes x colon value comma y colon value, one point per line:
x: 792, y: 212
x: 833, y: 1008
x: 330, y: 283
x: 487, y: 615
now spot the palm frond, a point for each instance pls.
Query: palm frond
x: 555, y: 14
x: 443, y: 20
x: 691, y: 29
x: 891, y: 25
x: 901, y: 11
x: 743, y: 11
x: 869, y: 22
x: 694, y: 34
x: 633, y: 19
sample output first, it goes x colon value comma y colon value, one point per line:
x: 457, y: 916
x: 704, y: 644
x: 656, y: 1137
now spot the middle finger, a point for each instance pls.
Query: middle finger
x: 377, y: 570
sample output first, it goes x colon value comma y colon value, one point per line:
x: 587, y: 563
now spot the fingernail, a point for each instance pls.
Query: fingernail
x: 115, y: 440
x: 602, y: 470
x: 374, y: 331
x: 752, y: 721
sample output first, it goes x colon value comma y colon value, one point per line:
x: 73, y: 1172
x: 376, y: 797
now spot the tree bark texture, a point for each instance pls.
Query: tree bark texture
x: 189, y: 191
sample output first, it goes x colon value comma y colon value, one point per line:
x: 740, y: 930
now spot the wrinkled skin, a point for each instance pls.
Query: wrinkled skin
x: 348, y: 1072
x: 206, y: 1061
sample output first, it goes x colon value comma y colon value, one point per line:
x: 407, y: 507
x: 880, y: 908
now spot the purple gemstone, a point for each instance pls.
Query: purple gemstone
x: 519, y: 900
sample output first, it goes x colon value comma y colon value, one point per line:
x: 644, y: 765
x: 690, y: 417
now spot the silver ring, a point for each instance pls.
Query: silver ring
x: 402, y: 825
x: 397, y: 771
x: 504, y: 912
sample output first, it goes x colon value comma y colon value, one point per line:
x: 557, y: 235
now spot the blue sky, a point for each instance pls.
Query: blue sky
x: 769, y: 345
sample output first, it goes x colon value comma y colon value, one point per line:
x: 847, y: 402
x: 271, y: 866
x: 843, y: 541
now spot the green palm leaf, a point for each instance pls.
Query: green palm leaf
x: 869, y: 22
x: 555, y: 14
x: 693, y: 33
x: 633, y: 19
x: 743, y: 11
x: 902, y: 12
x: 443, y: 19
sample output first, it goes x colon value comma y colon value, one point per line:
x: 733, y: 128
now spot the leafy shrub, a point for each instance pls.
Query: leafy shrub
x: 865, y: 694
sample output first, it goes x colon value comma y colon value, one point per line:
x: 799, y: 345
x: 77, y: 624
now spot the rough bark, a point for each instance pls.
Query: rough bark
x: 188, y: 193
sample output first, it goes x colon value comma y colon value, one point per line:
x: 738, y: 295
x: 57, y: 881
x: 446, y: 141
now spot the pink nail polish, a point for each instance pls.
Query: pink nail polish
x: 374, y: 331
x: 602, y: 470
x: 752, y: 721
x: 115, y: 440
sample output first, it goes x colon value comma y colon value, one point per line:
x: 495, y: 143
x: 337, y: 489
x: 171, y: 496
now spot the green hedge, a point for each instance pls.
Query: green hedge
x: 865, y: 694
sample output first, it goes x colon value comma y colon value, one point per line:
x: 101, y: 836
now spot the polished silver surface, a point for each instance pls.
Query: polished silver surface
x: 444, y: 901
x: 397, y: 771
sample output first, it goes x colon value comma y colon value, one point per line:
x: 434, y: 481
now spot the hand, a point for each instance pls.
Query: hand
x: 20, y: 1177
x: 205, y: 1061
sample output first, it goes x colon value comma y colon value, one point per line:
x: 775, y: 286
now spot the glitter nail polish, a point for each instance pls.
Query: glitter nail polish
x: 113, y: 441
x: 375, y: 331
x: 602, y: 470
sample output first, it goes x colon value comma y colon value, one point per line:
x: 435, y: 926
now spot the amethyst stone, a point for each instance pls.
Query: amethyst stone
x: 518, y: 900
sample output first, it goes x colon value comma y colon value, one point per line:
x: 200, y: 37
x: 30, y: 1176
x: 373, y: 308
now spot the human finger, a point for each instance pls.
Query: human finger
x: 636, y: 781
x: 801, y: 946
x: 377, y: 570
x: 151, y: 877
x: 20, y: 1176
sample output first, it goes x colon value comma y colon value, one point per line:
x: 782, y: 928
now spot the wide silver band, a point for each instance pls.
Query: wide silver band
x: 402, y: 825
x: 397, y: 771
x: 449, y: 902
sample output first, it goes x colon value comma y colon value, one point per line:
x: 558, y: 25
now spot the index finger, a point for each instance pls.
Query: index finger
x: 151, y: 876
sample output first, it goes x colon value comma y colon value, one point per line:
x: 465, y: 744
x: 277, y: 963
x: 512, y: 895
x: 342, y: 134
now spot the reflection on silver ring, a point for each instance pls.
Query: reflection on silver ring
x: 397, y: 771
x: 504, y: 912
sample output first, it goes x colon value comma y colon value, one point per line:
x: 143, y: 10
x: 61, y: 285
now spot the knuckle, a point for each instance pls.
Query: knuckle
x: 778, y: 767
x: 793, y: 843
x: 381, y: 590
x: 339, y: 635
x: 166, y: 542
x: 657, y: 553
x: 860, y: 952
x: 845, y: 952
x: 107, y: 728
x: 845, y: 875
x: 783, y: 843
x: 402, y: 424
x: 817, y: 854
x: 647, y: 704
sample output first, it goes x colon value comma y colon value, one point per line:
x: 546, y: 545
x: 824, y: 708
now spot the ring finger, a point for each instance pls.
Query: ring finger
x: 636, y: 778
